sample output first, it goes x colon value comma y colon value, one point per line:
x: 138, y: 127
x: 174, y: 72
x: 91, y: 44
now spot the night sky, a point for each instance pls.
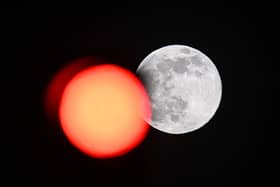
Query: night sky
x: 222, y: 152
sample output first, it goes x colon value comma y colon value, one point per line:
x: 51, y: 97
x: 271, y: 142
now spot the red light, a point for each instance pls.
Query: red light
x: 102, y: 110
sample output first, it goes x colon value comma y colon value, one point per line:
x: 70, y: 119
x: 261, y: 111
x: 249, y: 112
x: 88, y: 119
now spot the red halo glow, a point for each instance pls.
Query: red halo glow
x: 59, y: 81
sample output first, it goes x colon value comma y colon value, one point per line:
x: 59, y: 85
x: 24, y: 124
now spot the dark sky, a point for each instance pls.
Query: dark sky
x: 221, y: 152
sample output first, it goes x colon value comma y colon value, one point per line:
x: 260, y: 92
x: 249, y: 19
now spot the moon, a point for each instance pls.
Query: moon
x: 184, y: 87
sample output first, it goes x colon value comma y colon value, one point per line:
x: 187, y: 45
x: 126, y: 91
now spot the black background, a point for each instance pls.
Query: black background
x: 221, y: 152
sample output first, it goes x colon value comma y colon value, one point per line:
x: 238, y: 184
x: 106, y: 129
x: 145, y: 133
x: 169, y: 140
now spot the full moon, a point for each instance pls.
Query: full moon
x: 184, y: 87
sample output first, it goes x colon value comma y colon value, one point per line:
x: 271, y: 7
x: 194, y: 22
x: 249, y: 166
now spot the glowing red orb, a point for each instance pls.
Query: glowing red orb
x: 102, y: 110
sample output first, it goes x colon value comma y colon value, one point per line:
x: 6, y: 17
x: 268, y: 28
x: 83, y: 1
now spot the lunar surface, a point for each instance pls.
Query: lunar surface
x: 184, y: 87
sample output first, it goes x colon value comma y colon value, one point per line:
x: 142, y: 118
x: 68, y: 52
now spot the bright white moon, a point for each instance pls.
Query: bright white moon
x: 184, y: 87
